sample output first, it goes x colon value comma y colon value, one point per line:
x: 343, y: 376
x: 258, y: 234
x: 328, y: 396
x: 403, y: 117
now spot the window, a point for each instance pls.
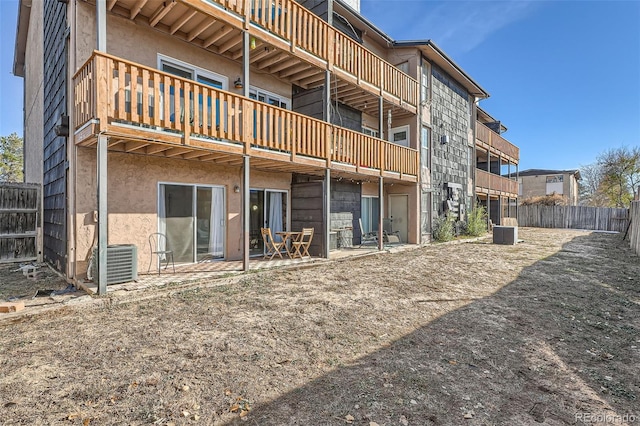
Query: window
x: 369, y: 131
x: 425, y: 82
x: 555, y: 184
x: 263, y: 127
x: 269, y: 98
x: 185, y: 70
x: 400, y: 135
x: 424, y: 143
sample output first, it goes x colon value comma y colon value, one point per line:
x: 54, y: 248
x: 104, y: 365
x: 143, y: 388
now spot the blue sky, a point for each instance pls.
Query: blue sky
x: 564, y: 76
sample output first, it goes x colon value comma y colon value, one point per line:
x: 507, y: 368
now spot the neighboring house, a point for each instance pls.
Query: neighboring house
x: 538, y: 182
x: 206, y: 120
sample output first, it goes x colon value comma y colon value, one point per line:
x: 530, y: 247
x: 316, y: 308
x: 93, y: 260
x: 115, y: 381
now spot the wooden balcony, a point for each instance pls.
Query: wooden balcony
x: 146, y: 111
x: 496, y: 144
x: 492, y: 184
x: 287, y: 37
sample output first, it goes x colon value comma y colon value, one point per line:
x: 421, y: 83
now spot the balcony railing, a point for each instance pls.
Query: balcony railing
x: 496, y: 183
x: 113, y: 90
x: 497, y: 142
x: 304, y: 30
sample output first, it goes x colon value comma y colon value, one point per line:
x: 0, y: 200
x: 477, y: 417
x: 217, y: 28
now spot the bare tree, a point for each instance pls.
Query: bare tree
x: 620, y: 168
x: 590, y: 182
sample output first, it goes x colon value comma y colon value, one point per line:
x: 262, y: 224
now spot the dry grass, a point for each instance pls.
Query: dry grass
x: 546, y: 200
x: 500, y: 334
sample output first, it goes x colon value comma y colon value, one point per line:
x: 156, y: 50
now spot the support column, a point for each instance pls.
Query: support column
x: 102, y: 214
x: 381, y: 179
x: 245, y: 63
x: 101, y: 45
x: 489, y: 189
x: 246, y: 193
x: 326, y: 116
x: 101, y: 25
x: 517, y: 199
x: 381, y: 117
x: 327, y: 213
x: 381, y: 213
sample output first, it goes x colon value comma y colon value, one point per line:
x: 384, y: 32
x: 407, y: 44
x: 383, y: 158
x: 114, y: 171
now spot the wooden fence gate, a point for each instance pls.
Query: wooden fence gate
x: 19, y: 222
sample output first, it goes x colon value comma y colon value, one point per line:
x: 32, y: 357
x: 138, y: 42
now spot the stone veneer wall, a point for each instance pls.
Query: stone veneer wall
x: 450, y: 115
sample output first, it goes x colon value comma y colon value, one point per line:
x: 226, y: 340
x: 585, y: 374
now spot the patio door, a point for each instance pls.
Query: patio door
x: 193, y: 219
x: 268, y: 209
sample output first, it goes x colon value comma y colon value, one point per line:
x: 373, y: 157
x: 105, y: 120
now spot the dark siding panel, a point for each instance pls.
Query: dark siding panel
x: 54, y: 167
x: 307, y: 212
x: 318, y: 7
x: 308, y: 102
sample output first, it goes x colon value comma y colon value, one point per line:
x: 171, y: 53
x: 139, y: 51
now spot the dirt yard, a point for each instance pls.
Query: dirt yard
x: 547, y: 331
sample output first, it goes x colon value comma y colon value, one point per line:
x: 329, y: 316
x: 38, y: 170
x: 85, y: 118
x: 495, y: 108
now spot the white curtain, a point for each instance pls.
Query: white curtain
x: 275, y: 214
x: 216, y: 225
x: 162, y: 216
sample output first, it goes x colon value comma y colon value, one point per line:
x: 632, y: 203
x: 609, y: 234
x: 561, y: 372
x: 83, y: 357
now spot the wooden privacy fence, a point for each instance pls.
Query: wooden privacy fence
x: 634, y: 232
x: 574, y: 217
x: 19, y: 207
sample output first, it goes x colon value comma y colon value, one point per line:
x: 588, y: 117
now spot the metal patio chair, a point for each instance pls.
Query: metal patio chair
x: 159, y: 248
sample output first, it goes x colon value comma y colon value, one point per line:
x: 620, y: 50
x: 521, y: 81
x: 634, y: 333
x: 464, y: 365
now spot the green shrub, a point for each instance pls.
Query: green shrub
x: 476, y: 222
x: 444, y: 228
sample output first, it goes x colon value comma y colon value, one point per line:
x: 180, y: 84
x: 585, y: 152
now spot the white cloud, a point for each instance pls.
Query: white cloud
x: 456, y: 26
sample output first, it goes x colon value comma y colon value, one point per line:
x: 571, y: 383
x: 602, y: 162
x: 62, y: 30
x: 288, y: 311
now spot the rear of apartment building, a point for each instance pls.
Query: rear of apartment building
x: 207, y: 120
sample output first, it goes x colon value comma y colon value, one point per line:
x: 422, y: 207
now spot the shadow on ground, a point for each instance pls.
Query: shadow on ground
x: 556, y: 345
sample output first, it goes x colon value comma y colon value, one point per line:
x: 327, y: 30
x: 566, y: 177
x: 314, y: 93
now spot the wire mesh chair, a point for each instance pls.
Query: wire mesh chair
x: 159, y: 248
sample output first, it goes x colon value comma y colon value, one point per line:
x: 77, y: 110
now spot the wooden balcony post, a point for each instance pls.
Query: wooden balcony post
x: 103, y: 82
x: 187, y: 113
x: 247, y: 125
x: 331, y: 48
x: 247, y: 14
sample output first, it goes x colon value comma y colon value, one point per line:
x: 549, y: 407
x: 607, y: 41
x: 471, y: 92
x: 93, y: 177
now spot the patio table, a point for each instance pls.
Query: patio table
x: 286, y: 237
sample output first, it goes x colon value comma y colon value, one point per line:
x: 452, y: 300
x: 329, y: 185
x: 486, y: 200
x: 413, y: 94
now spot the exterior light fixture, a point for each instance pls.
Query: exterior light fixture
x: 238, y: 83
x: 236, y: 189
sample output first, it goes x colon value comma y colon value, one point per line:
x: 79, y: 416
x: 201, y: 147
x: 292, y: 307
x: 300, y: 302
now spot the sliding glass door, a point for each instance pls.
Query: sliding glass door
x: 268, y: 209
x: 193, y: 219
x: 370, y: 215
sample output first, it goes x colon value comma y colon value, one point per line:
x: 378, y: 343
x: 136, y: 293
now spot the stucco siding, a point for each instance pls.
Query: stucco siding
x: 34, y: 97
x: 142, y: 44
x: 133, y: 198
